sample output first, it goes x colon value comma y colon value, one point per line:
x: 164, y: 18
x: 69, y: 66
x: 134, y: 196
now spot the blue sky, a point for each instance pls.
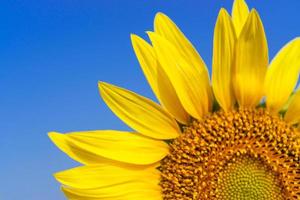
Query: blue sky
x: 52, y: 54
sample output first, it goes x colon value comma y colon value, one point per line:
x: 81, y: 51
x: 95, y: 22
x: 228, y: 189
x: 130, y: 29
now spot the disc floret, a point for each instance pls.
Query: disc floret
x: 242, y: 154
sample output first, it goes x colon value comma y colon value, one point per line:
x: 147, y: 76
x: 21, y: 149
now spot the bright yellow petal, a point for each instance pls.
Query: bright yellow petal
x: 282, y: 75
x: 251, y: 62
x: 224, y: 41
x: 170, y: 100
x: 105, y: 175
x: 140, y: 113
x: 161, y: 86
x: 293, y: 113
x: 92, y: 147
x: 240, y: 12
x: 189, y: 81
x: 128, y: 191
x: 166, y: 28
x: 146, y: 57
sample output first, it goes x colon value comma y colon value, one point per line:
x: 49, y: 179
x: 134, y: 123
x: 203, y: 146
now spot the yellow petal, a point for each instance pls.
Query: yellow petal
x: 146, y: 57
x: 92, y: 147
x: 105, y: 175
x: 293, y: 113
x: 166, y: 28
x: 223, y: 54
x: 170, y: 100
x: 140, y: 113
x: 251, y: 62
x: 240, y: 12
x: 282, y: 75
x: 128, y: 191
x: 166, y: 94
x: 189, y: 81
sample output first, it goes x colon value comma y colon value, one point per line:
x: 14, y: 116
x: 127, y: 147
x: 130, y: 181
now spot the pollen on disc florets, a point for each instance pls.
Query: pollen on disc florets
x: 238, y: 155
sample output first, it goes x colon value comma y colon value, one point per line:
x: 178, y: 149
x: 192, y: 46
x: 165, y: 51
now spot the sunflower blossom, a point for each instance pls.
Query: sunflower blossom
x: 235, y: 137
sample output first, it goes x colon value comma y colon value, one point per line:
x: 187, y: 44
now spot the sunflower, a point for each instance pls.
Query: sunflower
x: 235, y: 137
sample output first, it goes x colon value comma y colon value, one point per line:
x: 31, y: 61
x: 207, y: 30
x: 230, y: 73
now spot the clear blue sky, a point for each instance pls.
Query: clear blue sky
x: 52, y: 53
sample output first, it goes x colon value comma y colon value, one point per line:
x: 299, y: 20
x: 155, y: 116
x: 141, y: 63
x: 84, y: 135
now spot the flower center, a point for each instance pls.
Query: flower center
x: 246, y: 177
x: 244, y: 154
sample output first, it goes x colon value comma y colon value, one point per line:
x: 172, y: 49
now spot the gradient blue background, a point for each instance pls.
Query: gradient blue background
x: 52, y: 53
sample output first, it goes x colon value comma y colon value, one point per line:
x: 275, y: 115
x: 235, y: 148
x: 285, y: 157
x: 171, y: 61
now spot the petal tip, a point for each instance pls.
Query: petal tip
x: 223, y: 13
x: 102, y: 85
x: 57, y: 139
x: 53, y: 135
x: 134, y: 37
x: 150, y: 33
x: 159, y: 15
x: 254, y: 12
x: 240, y: 3
x: 59, y: 176
x: 152, y: 36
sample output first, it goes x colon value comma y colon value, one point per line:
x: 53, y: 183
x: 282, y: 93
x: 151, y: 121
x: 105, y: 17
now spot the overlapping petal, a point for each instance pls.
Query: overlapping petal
x: 159, y: 83
x: 106, y: 174
x: 140, y: 113
x: 293, y: 113
x: 223, y: 54
x: 282, y: 75
x: 240, y: 12
x: 91, y: 147
x: 188, y: 80
x: 146, y: 57
x: 167, y: 29
x: 251, y: 60
x: 130, y: 190
x: 170, y: 99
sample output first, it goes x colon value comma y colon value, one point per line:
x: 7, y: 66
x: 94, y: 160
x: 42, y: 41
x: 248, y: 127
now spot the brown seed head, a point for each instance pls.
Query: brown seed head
x: 244, y: 154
